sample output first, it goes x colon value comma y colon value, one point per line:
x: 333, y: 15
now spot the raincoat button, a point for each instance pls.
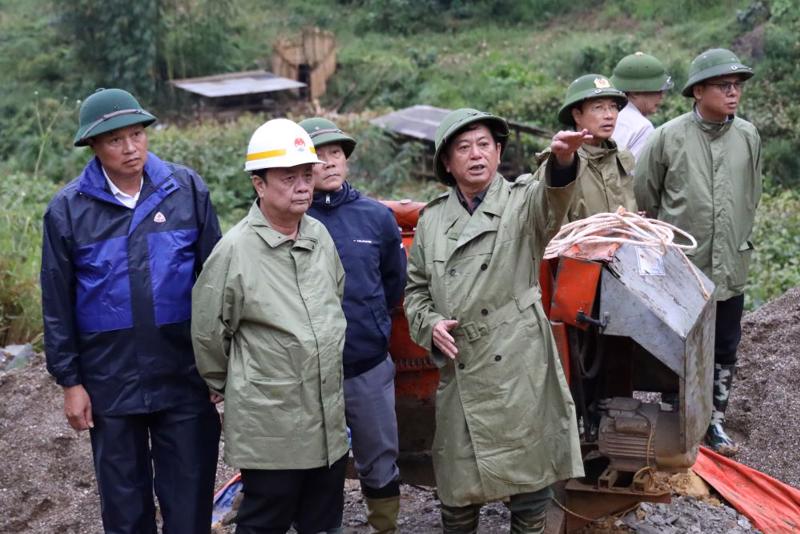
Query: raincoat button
x: 484, y: 312
x: 460, y: 365
x: 497, y: 358
x: 484, y: 266
x: 452, y: 272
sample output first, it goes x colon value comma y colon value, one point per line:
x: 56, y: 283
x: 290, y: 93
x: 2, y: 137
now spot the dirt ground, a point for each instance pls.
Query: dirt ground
x: 47, y: 483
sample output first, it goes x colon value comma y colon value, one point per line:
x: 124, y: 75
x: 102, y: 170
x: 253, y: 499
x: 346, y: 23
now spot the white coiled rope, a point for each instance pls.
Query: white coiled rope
x: 623, y: 227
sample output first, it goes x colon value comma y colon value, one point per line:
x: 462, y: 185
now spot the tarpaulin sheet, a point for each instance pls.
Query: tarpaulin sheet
x: 223, y: 499
x: 771, y: 505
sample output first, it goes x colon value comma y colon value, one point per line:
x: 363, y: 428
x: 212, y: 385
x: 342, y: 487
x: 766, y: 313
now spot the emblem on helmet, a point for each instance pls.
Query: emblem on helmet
x: 601, y: 83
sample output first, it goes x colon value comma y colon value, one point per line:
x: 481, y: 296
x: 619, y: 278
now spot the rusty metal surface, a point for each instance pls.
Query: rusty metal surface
x: 236, y: 83
x: 592, y: 503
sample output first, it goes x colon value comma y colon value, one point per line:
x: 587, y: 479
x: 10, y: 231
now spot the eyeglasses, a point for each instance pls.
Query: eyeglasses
x: 728, y: 87
x: 603, y: 108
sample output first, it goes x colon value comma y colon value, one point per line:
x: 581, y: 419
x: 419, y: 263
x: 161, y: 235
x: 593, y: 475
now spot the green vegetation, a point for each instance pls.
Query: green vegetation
x: 509, y: 57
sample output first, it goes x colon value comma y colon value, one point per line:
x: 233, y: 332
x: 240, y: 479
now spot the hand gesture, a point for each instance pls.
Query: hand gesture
x: 565, y: 143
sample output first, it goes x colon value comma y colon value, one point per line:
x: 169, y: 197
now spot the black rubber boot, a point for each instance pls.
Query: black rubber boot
x: 716, y: 438
x: 529, y: 511
x: 460, y: 520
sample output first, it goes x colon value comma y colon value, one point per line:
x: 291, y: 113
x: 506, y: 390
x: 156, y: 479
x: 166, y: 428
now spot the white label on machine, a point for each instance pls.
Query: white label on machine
x: 651, y: 262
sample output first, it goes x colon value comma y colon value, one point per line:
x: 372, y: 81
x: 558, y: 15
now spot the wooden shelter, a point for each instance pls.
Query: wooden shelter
x: 252, y: 90
x: 309, y: 58
x: 418, y: 124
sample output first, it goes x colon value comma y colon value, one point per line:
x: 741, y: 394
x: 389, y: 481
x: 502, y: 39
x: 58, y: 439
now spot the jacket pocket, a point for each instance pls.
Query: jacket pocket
x: 103, y: 291
x: 381, y: 316
x: 273, y: 406
x: 741, y: 266
x: 172, y: 263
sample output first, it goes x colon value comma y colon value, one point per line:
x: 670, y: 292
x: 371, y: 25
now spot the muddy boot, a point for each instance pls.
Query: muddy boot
x: 460, y: 520
x: 716, y: 438
x: 382, y: 514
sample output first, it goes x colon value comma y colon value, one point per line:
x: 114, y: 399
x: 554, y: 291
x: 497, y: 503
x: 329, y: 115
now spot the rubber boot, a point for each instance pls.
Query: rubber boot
x: 716, y: 438
x: 382, y: 514
x: 529, y: 511
x: 527, y: 522
x: 460, y: 520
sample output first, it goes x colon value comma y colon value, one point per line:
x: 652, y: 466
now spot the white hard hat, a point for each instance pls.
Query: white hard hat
x: 279, y: 143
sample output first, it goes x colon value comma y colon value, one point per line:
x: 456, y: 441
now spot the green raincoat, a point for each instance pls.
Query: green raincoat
x: 604, y: 181
x: 268, y: 333
x: 505, y: 420
x: 705, y: 178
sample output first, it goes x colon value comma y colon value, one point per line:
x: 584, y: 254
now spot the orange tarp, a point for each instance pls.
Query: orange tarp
x: 772, y: 506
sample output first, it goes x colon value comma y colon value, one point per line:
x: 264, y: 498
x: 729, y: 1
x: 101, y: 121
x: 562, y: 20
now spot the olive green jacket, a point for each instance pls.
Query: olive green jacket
x: 605, y: 181
x: 505, y: 420
x: 705, y: 178
x: 268, y: 333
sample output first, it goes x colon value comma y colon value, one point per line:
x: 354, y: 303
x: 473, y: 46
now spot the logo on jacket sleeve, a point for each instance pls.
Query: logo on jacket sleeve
x: 159, y: 218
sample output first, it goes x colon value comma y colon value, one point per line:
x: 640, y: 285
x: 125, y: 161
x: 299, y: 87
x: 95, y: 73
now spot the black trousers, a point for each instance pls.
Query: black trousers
x: 274, y: 499
x: 728, y: 330
x: 173, y: 451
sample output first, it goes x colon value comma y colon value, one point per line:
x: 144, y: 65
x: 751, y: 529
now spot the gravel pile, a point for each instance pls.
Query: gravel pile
x: 765, y: 401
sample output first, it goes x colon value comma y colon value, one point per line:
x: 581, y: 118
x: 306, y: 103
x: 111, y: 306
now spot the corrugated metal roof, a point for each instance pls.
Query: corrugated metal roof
x: 418, y: 121
x: 237, y: 83
x: 421, y: 121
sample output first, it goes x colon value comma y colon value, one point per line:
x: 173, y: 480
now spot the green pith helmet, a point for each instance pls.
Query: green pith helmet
x: 109, y: 109
x: 453, y: 123
x: 712, y: 63
x: 586, y: 87
x: 324, y: 132
x: 641, y: 73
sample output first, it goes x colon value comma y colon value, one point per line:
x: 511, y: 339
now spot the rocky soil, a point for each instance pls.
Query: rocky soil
x: 47, y: 484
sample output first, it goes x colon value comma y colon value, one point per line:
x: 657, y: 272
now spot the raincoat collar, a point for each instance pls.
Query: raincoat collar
x: 92, y: 180
x: 710, y: 127
x: 274, y: 238
x: 594, y: 153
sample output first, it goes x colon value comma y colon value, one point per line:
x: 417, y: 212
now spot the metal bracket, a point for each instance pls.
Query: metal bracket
x: 601, y: 324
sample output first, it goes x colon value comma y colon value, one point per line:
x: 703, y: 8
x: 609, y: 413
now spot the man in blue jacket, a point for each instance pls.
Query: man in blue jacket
x: 368, y: 241
x: 122, y: 246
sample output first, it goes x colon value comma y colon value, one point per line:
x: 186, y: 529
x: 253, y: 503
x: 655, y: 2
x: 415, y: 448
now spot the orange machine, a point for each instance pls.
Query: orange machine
x: 635, y: 336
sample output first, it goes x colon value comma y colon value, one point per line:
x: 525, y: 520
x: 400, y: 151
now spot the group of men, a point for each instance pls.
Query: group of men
x: 152, y: 317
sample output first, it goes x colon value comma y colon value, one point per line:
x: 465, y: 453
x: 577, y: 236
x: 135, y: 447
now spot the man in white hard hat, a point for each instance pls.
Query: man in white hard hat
x: 268, y: 331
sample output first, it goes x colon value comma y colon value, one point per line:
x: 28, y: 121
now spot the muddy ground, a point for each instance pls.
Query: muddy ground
x: 47, y: 484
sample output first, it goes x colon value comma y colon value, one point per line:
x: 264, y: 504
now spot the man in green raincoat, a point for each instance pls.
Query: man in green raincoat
x: 702, y: 172
x: 605, y: 173
x: 268, y: 333
x: 505, y: 421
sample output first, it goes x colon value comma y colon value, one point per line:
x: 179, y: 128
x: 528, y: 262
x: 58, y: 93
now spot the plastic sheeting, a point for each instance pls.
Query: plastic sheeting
x: 223, y: 499
x: 771, y: 505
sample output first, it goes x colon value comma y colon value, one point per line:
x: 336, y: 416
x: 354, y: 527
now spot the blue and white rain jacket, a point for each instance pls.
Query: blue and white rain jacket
x: 117, y: 285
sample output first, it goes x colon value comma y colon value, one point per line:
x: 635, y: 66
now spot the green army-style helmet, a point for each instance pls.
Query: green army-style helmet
x: 712, y: 63
x: 641, y: 73
x: 324, y: 132
x: 109, y: 109
x: 453, y: 123
x: 584, y: 88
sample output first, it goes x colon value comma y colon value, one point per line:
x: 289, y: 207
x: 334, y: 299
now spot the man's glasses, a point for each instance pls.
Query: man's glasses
x: 728, y: 87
